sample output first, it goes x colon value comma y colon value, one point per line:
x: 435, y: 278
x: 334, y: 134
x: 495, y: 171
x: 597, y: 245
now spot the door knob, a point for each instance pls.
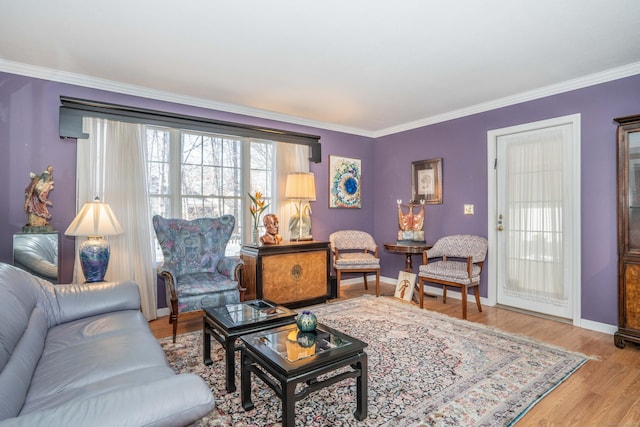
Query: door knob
x: 500, y: 228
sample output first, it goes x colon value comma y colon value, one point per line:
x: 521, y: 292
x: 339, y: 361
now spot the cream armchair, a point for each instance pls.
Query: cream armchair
x: 454, y: 261
x: 355, y: 252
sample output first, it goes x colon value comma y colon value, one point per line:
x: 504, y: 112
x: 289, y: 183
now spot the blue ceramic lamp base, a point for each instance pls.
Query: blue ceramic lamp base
x: 94, y: 258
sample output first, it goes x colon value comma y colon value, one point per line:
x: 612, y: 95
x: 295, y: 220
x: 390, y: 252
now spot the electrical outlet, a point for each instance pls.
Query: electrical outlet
x: 468, y: 209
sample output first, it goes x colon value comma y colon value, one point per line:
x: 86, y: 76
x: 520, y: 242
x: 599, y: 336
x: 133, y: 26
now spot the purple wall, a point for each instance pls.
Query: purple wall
x: 29, y: 142
x: 462, y: 143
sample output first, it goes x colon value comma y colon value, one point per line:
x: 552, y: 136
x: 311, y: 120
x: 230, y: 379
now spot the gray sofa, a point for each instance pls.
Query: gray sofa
x: 83, y: 355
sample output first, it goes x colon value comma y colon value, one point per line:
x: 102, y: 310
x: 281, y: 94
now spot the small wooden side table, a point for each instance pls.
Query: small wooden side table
x: 408, y: 249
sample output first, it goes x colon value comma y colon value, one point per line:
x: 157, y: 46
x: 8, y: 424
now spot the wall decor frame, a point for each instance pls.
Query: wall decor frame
x: 426, y: 181
x: 345, y: 182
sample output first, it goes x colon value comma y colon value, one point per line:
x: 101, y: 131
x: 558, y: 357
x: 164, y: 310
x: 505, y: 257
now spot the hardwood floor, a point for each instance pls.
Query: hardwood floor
x: 603, y: 392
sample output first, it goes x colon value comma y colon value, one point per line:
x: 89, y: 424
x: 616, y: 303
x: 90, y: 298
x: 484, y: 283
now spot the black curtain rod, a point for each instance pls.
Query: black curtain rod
x: 73, y: 110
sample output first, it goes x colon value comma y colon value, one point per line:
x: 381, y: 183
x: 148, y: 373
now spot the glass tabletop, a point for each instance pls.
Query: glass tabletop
x: 292, y: 344
x: 249, y: 312
x: 295, y: 345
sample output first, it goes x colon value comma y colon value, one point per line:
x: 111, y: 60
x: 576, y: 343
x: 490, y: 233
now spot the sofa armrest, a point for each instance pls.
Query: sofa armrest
x: 174, y: 401
x: 76, y: 301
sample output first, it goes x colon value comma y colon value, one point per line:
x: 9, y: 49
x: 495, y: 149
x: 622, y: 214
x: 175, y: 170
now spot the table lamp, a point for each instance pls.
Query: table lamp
x: 95, y: 220
x: 301, y: 186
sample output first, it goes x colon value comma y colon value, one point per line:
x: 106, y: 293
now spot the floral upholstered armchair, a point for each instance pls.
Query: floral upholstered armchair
x: 196, y: 271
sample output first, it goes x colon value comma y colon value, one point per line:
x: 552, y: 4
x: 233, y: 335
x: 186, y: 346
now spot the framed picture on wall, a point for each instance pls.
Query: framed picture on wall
x: 345, y: 182
x: 426, y: 181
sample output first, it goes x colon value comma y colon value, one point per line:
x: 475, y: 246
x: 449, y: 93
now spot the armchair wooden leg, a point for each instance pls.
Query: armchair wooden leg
x: 464, y: 302
x: 421, y: 292
x: 174, y: 318
x: 338, y: 283
x: 444, y: 294
x: 175, y: 326
x: 366, y: 286
x: 476, y: 291
x: 378, y: 283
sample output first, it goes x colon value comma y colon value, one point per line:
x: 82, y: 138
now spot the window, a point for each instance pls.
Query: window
x: 196, y: 174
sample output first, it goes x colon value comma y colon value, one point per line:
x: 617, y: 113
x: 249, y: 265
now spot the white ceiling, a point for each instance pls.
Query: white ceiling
x: 369, y: 67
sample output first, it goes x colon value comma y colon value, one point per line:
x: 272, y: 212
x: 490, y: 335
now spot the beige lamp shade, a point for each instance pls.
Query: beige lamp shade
x: 95, y: 219
x: 301, y: 186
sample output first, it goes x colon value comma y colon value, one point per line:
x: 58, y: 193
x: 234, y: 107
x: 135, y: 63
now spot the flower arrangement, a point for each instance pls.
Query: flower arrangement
x: 258, y: 205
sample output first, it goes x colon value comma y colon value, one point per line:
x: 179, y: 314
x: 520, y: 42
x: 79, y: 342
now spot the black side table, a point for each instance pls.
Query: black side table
x: 282, y: 362
x: 228, y: 322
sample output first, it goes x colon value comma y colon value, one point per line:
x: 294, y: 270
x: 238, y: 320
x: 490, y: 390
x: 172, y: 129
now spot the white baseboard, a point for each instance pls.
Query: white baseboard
x: 583, y: 323
x: 598, y: 327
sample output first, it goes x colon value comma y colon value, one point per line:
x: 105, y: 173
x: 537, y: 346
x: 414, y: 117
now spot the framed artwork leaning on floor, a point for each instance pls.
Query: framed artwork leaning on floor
x: 404, y: 286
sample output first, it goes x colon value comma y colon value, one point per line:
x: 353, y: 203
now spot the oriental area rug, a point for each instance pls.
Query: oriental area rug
x: 425, y: 369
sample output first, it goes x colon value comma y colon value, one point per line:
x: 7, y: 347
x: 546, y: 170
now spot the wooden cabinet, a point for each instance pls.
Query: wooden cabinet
x: 628, y: 231
x: 292, y: 273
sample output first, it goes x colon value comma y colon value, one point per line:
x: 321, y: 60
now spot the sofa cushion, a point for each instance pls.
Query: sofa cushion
x: 88, y: 357
x: 173, y: 401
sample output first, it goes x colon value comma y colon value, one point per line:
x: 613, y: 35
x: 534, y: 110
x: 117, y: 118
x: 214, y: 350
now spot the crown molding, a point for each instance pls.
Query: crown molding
x: 566, y: 86
x: 144, y: 92
x: 112, y: 86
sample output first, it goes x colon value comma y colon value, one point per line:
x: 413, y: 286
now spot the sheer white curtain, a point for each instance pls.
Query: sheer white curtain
x: 534, y: 194
x: 112, y: 165
x: 289, y: 158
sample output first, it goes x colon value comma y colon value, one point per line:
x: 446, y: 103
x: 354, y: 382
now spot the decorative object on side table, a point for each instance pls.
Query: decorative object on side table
x: 411, y: 224
x: 95, y: 220
x: 258, y: 205
x: 36, y: 201
x: 301, y: 186
x: 307, y: 321
x: 272, y: 225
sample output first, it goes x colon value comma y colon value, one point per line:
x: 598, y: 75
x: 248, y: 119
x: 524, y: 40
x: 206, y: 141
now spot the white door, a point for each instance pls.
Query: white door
x: 535, y: 220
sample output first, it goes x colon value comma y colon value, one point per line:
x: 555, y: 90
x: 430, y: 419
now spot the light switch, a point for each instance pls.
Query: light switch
x: 468, y: 209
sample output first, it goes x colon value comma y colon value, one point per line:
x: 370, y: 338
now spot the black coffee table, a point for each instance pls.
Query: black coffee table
x: 228, y: 322
x: 283, y: 357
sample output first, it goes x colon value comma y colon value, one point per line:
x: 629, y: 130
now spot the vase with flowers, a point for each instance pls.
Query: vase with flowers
x: 258, y: 206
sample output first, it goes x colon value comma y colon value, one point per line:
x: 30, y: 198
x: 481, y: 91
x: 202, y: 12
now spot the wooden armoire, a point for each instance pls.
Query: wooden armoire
x: 628, y: 231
